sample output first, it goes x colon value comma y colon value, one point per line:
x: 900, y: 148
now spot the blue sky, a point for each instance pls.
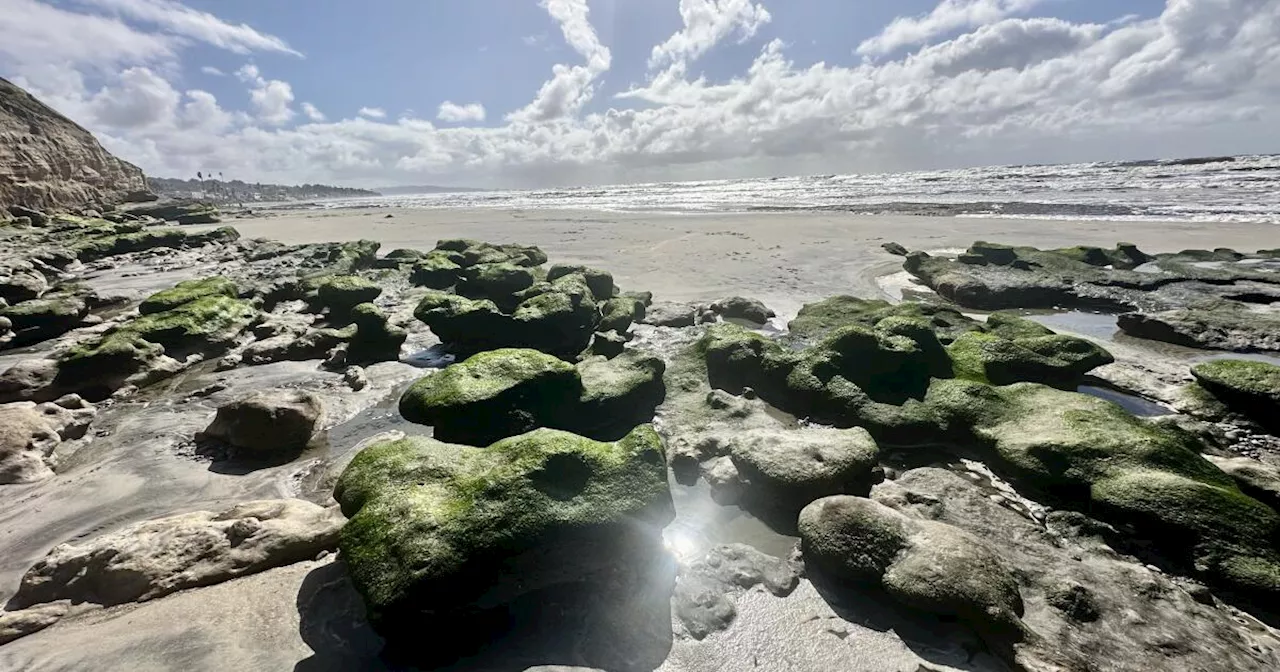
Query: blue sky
x: 572, y: 91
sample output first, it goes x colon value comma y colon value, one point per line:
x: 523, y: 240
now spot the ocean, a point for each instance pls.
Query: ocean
x: 1240, y: 189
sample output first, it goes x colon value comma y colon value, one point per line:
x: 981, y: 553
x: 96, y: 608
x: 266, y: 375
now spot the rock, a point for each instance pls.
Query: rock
x: 485, y: 526
x: 375, y: 340
x: 435, y: 271
x: 29, y: 380
x: 502, y: 393
x: 496, y: 282
x: 782, y: 470
x: 340, y: 294
x: 560, y: 321
x: 20, y: 282
x: 703, y: 598
x: 607, y: 344
x: 186, y: 292
x: 741, y: 308
x: 29, y: 433
x: 816, y: 320
x: 41, y: 319
x: 923, y: 564
x: 895, y: 249
x: 267, y: 424
x: 600, y: 282
x: 675, y: 315
x: 1056, y: 360
x: 355, y: 378
x: 34, y: 217
x: 1228, y: 326
x: 139, y: 196
x: 157, y: 557
x: 110, y: 244
x: 1247, y: 387
x: 207, y: 324
x: 183, y: 212
x: 101, y: 366
x: 1256, y: 479
x: 16, y: 624
x: 313, y: 344
x: 619, y: 313
x: 471, y: 252
x: 53, y: 163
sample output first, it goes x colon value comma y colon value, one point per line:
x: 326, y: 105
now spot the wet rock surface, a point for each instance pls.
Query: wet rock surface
x: 266, y: 425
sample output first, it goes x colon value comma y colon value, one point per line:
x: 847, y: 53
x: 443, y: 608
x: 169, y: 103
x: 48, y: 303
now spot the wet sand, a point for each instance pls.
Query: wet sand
x: 783, y: 259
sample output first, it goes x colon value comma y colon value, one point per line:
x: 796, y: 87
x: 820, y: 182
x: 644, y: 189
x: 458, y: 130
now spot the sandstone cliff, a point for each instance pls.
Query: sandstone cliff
x: 48, y: 162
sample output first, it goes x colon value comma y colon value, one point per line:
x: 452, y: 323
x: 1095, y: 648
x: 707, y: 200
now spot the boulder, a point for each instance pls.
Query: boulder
x: 207, y: 324
x: 675, y: 315
x: 1247, y: 387
x: 29, y: 380
x: 293, y: 347
x: 608, y: 344
x: 157, y: 557
x: 895, y: 249
x: 41, y: 319
x: 266, y: 425
x: 103, y: 365
x: 740, y: 308
x: 1223, y: 326
x: 21, y: 282
x: 399, y: 257
x: 816, y: 320
x: 600, y: 282
x: 342, y: 293
x: 186, y: 292
x: 782, y: 470
x: 1056, y: 360
x: 923, y: 564
x: 502, y: 393
x: 441, y: 533
x: 375, y: 340
x: 497, y: 282
x: 30, y: 432
x: 435, y: 271
x: 618, y: 314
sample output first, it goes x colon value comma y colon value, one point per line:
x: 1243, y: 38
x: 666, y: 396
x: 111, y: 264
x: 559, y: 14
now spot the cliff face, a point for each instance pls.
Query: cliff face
x: 48, y: 162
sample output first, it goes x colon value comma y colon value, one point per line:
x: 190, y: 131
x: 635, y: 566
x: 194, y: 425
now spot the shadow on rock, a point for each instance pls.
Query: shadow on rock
x: 332, y: 622
x: 618, y: 625
x: 928, y: 636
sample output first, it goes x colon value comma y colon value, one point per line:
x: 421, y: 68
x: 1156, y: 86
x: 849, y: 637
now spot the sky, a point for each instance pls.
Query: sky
x: 541, y: 93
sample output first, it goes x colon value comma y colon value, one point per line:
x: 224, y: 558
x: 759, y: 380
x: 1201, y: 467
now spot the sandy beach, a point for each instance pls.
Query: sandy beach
x: 783, y: 259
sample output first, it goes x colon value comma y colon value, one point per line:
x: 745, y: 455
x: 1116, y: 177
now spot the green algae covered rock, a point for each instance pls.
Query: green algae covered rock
x: 599, y: 282
x: 109, y: 243
x: 1053, y: 360
x: 375, y: 339
x: 819, y: 319
x: 205, y: 324
x: 782, y: 470
x: 1085, y: 450
x: 100, y: 367
x: 438, y: 532
x: 505, y: 392
x: 341, y: 293
x: 618, y: 314
x: 186, y: 292
x: 435, y: 271
x: 492, y: 395
x: 1247, y: 387
x: 923, y: 564
x: 49, y: 316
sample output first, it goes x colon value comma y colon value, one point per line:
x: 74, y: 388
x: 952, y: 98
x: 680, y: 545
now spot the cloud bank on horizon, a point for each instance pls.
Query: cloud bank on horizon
x: 962, y: 82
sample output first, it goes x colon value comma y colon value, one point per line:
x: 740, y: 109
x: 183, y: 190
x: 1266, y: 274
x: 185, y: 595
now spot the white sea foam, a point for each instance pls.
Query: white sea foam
x: 1244, y: 189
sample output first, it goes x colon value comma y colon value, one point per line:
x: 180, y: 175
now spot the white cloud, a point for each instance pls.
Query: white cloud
x: 210, y: 70
x: 37, y: 34
x: 1202, y: 77
x: 948, y: 16
x: 454, y: 113
x: 313, y: 113
x: 178, y: 19
x: 373, y: 112
x: 706, y: 23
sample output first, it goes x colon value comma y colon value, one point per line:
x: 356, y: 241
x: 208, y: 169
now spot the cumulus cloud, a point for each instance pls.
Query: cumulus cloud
x: 36, y: 34
x: 706, y: 23
x: 988, y: 86
x: 454, y: 113
x: 312, y: 112
x: 948, y: 16
x: 373, y: 112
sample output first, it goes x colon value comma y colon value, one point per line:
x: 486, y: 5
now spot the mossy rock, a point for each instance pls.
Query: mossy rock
x: 98, y: 368
x: 1053, y: 360
x: 51, y: 314
x: 472, y: 252
x: 600, y: 282
x: 375, y: 339
x: 206, y: 324
x: 435, y: 271
x: 492, y: 395
x: 819, y: 319
x: 498, y: 282
x: 186, y: 292
x: 438, y: 532
x: 1012, y: 327
x: 783, y: 470
x: 462, y: 323
x: 618, y: 314
x: 555, y: 322
x: 114, y: 243
x: 1247, y: 387
x: 342, y: 293
x: 617, y: 394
